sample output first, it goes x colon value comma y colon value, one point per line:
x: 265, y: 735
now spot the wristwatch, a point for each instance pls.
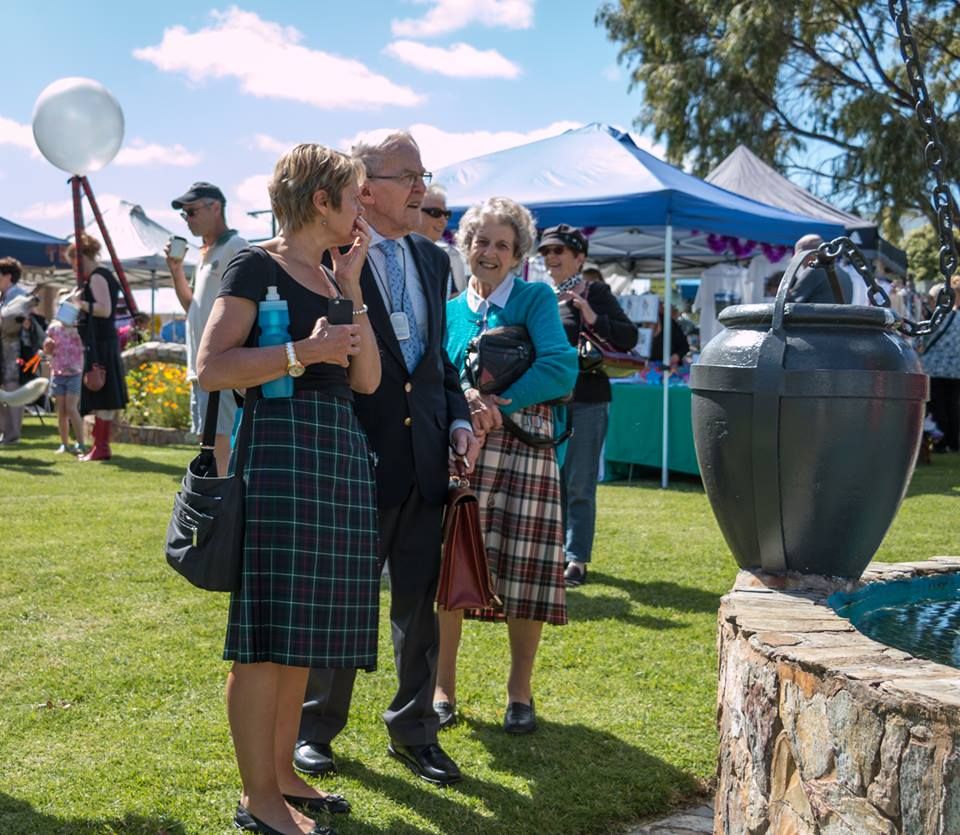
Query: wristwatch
x: 294, y: 366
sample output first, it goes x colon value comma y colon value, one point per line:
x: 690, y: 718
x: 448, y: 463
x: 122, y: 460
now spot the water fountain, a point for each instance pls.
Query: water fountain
x: 807, y: 422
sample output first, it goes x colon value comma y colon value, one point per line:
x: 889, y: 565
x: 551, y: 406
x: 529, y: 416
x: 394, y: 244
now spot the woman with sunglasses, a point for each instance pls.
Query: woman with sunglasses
x: 434, y: 217
x: 591, y: 306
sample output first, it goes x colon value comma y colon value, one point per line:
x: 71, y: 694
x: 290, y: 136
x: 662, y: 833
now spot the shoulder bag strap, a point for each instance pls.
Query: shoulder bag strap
x: 535, y: 441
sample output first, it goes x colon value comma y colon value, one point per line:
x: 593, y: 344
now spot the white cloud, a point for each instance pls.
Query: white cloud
x: 250, y: 195
x: 141, y: 152
x: 612, y: 73
x: 20, y: 136
x: 265, y: 142
x: 459, y: 60
x: 270, y: 61
x: 450, y: 15
x: 63, y: 209
x: 439, y: 147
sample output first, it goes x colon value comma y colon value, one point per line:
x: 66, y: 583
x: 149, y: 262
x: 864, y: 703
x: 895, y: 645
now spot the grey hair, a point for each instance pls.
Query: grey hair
x: 807, y: 242
x: 373, y: 156
x: 499, y: 210
x: 436, y: 190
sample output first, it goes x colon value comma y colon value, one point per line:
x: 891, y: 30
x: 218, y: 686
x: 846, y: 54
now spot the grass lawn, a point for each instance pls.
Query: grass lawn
x: 112, y: 715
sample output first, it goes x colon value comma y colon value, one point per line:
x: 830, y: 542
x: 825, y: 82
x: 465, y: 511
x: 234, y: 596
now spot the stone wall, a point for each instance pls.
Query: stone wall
x: 125, y: 433
x: 824, y: 731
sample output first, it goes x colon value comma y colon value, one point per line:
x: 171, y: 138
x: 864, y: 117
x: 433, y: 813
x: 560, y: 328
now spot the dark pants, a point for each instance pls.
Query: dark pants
x: 410, y: 537
x: 945, y: 409
x: 578, y: 478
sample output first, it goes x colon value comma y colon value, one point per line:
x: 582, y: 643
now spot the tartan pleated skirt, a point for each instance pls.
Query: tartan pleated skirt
x: 310, y: 585
x: 518, y: 487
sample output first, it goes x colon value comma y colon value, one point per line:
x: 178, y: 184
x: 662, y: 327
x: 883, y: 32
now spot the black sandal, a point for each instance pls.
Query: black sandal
x: 332, y: 804
x: 245, y: 822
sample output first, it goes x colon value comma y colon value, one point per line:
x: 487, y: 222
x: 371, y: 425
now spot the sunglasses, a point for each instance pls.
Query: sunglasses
x: 552, y: 250
x: 436, y: 213
x: 193, y: 210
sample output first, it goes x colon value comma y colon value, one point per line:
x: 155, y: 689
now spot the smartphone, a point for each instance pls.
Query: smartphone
x: 178, y: 247
x: 340, y: 312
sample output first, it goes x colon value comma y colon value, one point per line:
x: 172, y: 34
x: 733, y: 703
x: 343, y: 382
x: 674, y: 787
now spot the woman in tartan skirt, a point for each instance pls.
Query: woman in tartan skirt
x: 310, y: 585
x: 518, y: 485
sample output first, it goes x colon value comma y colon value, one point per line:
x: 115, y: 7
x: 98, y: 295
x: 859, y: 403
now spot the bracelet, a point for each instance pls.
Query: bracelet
x: 362, y: 311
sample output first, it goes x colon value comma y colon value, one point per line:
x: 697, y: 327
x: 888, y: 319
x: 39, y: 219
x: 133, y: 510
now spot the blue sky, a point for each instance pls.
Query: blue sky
x: 217, y: 92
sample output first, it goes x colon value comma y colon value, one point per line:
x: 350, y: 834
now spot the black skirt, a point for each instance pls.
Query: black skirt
x: 113, y: 395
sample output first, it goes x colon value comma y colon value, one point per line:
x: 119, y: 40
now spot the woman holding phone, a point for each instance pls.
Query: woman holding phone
x: 310, y: 586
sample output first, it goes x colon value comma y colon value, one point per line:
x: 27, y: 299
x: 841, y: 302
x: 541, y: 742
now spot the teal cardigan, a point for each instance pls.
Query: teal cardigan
x: 533, y: 305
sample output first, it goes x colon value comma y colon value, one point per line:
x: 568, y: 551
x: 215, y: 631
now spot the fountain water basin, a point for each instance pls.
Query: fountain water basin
x: 824, y: 729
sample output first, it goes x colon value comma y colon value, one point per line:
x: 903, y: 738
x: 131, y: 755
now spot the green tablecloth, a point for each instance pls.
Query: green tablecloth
x: 636, y: 429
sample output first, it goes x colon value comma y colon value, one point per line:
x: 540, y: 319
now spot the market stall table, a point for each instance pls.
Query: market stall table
x: 636, y: 428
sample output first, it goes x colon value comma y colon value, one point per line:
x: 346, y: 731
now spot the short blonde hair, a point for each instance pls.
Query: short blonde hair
x: 302, y: 172
x: 88, y: 246
x: 499, y: 210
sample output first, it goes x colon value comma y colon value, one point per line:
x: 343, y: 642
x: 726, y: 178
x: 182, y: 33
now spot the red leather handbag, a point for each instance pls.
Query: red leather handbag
x: 464, y: 575
x: 95, y: 378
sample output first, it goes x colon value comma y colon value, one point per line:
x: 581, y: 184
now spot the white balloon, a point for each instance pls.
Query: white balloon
x: 78, y: 125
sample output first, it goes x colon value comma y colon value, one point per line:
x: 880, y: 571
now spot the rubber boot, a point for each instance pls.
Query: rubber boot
x: 100, y: 451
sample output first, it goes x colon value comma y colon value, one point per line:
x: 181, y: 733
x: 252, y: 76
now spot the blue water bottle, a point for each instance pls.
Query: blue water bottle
x: 274, y: 322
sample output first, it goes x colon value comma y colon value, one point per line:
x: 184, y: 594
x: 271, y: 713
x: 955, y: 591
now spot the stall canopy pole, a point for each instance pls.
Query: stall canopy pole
x: 667, y: 323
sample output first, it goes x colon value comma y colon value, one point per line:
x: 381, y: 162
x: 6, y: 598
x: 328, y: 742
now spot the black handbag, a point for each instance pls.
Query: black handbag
x: 498, y: 357
x: 596, y: 355
x: 205, y: 534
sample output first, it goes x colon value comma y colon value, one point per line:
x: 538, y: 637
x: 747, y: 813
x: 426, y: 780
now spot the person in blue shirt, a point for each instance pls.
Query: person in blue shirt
x: 518, y: 485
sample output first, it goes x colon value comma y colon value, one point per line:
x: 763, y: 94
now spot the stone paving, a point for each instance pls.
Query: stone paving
x: 696, y: 820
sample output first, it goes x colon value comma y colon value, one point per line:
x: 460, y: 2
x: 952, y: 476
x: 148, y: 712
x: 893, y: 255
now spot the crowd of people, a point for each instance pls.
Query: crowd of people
x: 347, y: 478
x: 384, y: 411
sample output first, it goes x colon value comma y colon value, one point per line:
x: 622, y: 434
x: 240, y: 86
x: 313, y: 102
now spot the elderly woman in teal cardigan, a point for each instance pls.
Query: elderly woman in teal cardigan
x: 518, y: 485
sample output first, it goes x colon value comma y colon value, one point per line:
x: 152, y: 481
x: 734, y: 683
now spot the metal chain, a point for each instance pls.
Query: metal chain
x: 827, y: 254
x: 935, y: 156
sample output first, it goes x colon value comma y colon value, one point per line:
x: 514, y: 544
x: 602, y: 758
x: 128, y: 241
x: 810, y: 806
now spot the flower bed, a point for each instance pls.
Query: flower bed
x: 159, y: 396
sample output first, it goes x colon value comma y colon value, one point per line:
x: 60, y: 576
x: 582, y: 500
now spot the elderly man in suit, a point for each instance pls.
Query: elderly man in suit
x: 415, y: 420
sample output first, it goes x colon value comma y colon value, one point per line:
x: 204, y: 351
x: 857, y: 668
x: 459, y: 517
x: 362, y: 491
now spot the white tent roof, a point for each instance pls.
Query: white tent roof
x: 139, y: 241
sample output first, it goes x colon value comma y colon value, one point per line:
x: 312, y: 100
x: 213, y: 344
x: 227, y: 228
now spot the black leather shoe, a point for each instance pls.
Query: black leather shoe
x: 446, y: 713
x: 520, y: 718
x: 332, y: 804
x: 246, y: 822
x: 314, y: 758
x: 574, y: 576
x: 428, y: 762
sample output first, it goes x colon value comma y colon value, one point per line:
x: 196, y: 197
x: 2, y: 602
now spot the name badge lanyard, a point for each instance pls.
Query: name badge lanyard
x: 398, y: 318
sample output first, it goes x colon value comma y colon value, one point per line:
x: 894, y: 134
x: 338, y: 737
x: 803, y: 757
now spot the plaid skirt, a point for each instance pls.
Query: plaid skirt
x: 310, y: 589
x: 520, y: 514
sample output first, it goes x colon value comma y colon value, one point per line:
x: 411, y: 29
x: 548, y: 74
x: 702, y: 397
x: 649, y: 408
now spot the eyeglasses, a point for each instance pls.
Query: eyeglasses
x: 408, y: 178
x: 185, y: 213
x: 552, y: 250
x: 436, y: 213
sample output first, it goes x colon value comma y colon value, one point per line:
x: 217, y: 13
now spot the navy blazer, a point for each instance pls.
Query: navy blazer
x: 407, y: 419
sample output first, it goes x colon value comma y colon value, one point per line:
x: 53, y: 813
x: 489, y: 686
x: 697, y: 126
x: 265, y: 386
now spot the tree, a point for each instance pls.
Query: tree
x: 922, y: 246
x: 815, y: 86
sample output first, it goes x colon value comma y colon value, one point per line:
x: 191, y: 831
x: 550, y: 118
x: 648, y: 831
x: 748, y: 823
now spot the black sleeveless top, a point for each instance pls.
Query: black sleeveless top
x: 248, y: 275
x: 104, y: 328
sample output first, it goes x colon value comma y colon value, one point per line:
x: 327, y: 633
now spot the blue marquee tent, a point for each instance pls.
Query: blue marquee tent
x: 596, y: 176
x: 31, y: 248
x: 635, y: 206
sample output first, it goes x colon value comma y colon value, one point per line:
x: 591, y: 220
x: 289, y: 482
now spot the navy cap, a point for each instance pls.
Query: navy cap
x: 564, y: 235
x: 199, y: 191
